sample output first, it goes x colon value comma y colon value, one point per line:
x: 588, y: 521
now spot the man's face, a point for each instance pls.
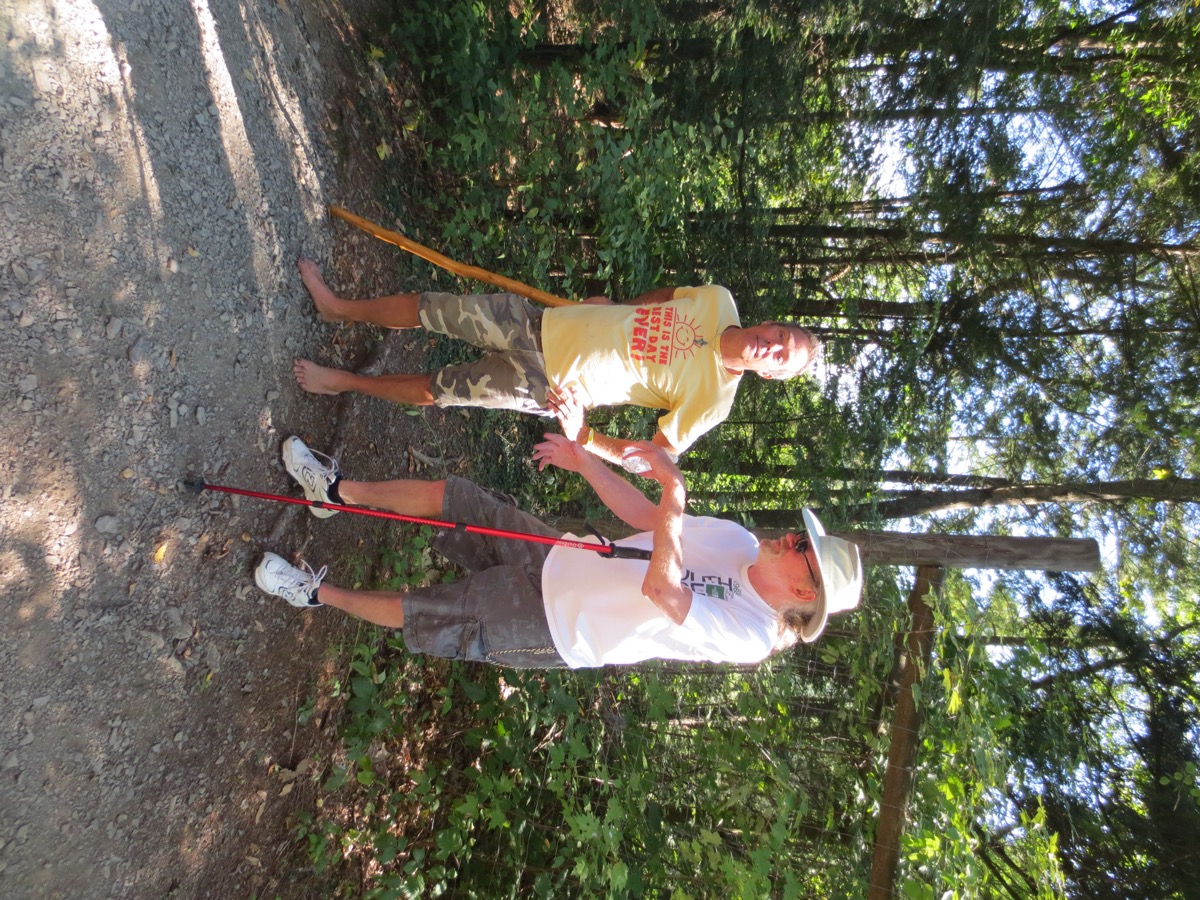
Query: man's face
x: 790, y: 564
x: 772, y: 350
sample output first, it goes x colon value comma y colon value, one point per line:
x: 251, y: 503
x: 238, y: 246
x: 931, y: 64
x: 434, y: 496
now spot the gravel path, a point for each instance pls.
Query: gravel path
x: 162, y: 164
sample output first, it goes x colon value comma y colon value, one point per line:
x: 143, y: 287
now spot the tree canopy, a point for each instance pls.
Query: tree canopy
x: 989, y: 209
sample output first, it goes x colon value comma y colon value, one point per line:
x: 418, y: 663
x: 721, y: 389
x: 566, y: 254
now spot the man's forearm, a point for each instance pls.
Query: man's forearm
x: 612, y: 449
x: 662, y: 584
x: 664, y: 577
x: 626, y: 502
x: 607, y: 448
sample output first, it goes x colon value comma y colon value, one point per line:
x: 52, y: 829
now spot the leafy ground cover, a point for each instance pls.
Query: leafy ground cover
x: 986, y: 313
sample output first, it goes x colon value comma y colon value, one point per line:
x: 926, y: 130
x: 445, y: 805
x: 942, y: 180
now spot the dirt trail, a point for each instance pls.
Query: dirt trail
x: 162, y: 164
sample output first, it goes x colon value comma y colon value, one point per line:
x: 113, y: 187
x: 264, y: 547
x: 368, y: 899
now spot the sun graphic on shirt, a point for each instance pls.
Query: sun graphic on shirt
x: 685, y: 337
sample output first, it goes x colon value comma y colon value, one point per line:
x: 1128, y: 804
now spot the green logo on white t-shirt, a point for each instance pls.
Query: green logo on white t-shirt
x: 711, y: 585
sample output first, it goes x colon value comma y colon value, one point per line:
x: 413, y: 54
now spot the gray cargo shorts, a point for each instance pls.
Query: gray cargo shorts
x: 496, y: 613
x: 512, y: 374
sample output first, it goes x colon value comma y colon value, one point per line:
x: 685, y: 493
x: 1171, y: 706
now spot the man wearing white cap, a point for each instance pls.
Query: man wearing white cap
x: 710, y: 592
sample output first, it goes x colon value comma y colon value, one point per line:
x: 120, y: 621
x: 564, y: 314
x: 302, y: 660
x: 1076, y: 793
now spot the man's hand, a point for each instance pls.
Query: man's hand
x: 653, y: 462
x: 569, y: 410
x: 560, y: 451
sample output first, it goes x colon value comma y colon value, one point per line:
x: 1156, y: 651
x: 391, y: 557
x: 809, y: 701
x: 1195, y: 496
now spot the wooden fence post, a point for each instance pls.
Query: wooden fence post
x: 966, y: 551
x: 902, y: 750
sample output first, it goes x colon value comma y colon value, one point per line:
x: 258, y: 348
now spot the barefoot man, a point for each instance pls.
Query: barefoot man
x: 679, y: 349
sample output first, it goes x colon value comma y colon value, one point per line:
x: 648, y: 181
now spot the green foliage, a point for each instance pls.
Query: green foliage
x: 611, y: 783
x: 967, y: 714
x: 410, y: 561
x: 543, y: 183
x: 1018, y: 305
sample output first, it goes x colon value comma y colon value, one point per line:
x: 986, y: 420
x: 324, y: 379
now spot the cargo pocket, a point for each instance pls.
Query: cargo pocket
x: 450, y: 637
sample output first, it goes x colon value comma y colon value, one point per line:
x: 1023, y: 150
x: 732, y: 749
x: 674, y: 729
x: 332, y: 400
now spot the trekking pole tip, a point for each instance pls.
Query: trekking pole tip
x: 193, y: 483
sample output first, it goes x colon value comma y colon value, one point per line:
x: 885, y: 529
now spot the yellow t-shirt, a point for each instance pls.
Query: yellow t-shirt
x: 665, y: 356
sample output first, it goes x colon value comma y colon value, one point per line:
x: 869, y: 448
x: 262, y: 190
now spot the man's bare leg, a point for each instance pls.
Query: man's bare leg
x: 379, y: 607
x: 392, y: 311
x: 411, y: 389
x: 405, y: 496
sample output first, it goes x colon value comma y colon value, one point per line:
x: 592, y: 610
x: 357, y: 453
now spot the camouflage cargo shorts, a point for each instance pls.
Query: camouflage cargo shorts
x: 512, y: 374
x: 496, y: 613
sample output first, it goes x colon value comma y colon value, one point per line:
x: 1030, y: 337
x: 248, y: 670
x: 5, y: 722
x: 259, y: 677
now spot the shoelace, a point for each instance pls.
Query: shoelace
x: 332, y: 470
x: 314, y: 578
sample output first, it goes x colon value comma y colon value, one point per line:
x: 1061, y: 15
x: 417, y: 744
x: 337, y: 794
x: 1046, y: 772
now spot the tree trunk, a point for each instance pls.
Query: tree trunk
x: 1050, y: 196
x: 1012, y: 244
x: 1074, y: 674
x: 860, y: 476
x: 925, y: 113
x: 863, y: 309
x: 902, y: 751
x: 958, y: 551
x: 1173, y: 490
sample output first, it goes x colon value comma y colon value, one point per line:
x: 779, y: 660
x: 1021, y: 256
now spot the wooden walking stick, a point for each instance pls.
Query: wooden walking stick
x: 507, y: 284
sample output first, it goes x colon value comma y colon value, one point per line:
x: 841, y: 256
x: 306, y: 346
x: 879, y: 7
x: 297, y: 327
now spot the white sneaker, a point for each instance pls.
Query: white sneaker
x: 313, y: 476
x: 280, y: 578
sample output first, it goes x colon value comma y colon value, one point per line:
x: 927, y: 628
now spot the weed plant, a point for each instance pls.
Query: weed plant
x: 669, y: 780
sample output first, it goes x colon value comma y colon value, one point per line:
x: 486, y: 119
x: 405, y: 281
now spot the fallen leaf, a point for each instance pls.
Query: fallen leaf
x: 160, y: 554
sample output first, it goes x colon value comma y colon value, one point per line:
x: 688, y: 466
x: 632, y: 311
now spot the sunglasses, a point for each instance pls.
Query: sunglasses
x: 801, y: 547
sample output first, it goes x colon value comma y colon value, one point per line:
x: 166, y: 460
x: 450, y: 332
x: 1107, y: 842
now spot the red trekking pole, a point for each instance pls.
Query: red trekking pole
x: 606, y: 548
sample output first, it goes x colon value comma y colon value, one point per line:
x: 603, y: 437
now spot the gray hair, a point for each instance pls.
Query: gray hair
x: 791, y: 623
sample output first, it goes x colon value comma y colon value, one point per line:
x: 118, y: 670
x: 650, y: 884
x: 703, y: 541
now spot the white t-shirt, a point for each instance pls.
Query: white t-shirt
x: 665, y: 356
x: 599, y: 616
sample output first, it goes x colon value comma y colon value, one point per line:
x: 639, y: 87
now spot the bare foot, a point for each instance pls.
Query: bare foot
x: 325, y: 300
x: 317, y: 379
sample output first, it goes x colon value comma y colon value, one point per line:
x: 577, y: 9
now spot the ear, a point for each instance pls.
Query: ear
x: 804, y: 595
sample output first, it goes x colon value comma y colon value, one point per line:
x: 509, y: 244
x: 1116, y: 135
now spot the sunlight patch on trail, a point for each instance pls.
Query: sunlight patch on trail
x: 288, y: 118
x: 239, y: 152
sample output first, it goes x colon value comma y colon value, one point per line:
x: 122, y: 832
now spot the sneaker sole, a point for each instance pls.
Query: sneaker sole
x: 288, y: 463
